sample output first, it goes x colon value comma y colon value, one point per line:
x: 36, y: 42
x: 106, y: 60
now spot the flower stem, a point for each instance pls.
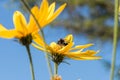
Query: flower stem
x: 114, y: 39
x: 31, y: 63
x: 42, y: 34
x: 49, y: 65
x: 55, y: 68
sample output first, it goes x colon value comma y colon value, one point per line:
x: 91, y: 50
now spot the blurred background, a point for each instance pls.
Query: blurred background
x: 90, y: 21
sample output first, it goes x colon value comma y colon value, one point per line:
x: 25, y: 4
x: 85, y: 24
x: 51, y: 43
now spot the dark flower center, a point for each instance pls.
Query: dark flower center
x: 26, y: 40
x: 57, y: 58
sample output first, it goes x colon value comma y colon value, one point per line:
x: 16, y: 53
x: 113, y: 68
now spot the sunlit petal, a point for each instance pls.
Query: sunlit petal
x: 32, y: 24
x: 91, y: 58
x: 69, y: 38
x: 43, y: 12
x: 38, y: 47
x: 51, y: 10
x: 66, y: 48
x: 55, y: 47
x: 2, y: 28
x: 85, y: 58
x: 85, y: 53
x: 8, y: 34
x: 89, y: 53
x: 20, y: 22
x: 38, y: 39
x: 57, y: 12
x: 82, y: 46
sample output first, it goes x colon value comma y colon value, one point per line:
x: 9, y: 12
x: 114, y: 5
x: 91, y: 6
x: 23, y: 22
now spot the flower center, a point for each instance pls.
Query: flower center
x: 57, y: 58
x: 26, y: 40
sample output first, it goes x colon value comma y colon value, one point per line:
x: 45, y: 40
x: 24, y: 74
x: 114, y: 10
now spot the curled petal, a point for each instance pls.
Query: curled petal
x: 69, y: 38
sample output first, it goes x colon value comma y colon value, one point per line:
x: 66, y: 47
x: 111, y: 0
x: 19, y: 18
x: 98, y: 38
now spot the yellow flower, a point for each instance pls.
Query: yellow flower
x: 65, y: 48
x: 24, y: 31
x: 47, y: 12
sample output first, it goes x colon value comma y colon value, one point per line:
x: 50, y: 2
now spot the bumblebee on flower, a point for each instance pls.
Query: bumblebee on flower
x: 64, y: 49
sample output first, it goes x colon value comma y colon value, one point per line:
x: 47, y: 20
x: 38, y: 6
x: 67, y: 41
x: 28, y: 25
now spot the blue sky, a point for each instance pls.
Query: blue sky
x: 14, y: 63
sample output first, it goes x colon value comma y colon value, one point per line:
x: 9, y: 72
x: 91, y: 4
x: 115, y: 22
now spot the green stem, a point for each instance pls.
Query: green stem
x: 114, y: 40
x: 31, y: 63
x: 55, y: 68
x: 49, y: 64
x: 42, y: 34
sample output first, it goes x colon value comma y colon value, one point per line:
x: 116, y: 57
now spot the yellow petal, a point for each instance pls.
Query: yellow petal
x: 66, y: 48
x: 82, y: 46
x: 55, y: 47
x: 87, y: 55
x: 38, y: 47
x: 68, y: 38
x: 2, y: 28
x: 91, y: 58
x: 85, y: 58
x: 8, y: 34
x: 57, y: 12
x: 38, y: 39
x: 51, y: 10
x: 49, y: 13
x: 43, y: 13
x: 32, y: 24
x: 47, y: 50
x: 20, y: 22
